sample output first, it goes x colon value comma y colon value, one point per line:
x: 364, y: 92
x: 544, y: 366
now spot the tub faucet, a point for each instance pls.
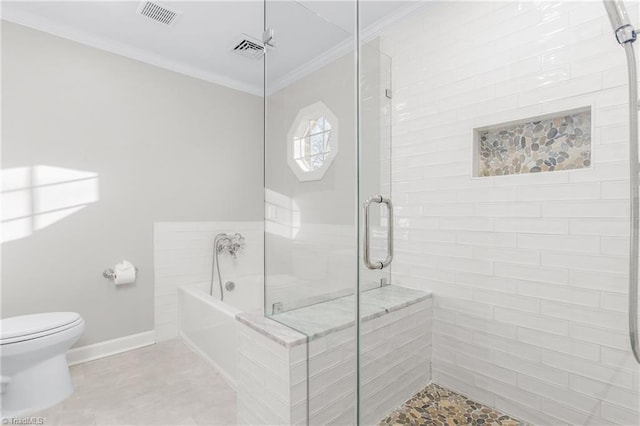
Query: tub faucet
x: 232, y: 244
x: 236, y: 245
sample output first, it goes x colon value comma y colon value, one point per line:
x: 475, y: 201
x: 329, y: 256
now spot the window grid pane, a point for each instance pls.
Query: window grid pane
x: 312, y: 149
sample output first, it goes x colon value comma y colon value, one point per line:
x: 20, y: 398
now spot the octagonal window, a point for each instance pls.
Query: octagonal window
x: 312, y: 142
x: 312, y: 149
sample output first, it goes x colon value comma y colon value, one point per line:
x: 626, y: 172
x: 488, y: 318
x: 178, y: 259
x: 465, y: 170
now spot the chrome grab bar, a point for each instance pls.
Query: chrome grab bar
x: 377, y: 199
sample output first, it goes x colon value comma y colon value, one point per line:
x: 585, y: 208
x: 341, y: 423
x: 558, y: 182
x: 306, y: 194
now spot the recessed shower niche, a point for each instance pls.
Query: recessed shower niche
x: 552, y: 142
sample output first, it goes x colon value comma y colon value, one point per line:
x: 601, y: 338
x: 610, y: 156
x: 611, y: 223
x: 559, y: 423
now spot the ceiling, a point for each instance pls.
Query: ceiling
x: 308, y: 33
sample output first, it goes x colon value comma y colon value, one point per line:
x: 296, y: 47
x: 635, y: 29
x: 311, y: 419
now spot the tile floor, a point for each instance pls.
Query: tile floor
x: 163, y: 384
x: 168, y: 384
x: 435, y: 405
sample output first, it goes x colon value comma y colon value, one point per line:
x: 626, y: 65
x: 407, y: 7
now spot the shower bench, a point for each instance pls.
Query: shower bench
x: 310, y: 353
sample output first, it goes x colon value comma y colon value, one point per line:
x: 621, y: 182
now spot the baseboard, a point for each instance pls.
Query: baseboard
x: 110, y: 347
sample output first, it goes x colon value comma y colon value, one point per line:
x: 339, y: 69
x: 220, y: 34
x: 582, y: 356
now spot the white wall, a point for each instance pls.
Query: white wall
x: 528, y: 271
x: 160, y: 146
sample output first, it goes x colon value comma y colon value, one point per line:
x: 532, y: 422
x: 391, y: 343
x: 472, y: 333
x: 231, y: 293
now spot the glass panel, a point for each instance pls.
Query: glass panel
x: 318, y: 263
x: 375, y: 352
x: 311, y: 247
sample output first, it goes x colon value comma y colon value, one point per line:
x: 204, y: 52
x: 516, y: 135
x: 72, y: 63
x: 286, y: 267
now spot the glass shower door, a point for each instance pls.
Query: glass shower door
x: 374, y: 169
x: 377, y: 354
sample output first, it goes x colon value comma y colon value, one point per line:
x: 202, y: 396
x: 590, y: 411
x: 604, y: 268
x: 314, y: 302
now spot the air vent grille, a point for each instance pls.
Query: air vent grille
x: 158, y: 13
x: 248, y: 47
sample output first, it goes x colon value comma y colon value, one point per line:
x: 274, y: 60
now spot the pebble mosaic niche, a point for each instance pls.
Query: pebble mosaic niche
x: 561, y: 141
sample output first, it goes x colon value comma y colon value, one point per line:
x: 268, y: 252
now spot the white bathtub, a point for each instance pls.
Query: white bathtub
x: 209, y: 326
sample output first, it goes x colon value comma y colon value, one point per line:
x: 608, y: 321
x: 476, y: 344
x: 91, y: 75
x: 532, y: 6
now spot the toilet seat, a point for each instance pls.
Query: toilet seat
x: 29, y: 327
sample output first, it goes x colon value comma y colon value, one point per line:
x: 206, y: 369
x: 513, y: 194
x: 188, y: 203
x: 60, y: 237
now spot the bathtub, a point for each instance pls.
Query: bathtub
x: 208, y: 325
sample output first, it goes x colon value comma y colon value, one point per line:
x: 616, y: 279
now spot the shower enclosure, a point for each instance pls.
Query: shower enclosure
x: 328, y: 218
x: 523, y: 261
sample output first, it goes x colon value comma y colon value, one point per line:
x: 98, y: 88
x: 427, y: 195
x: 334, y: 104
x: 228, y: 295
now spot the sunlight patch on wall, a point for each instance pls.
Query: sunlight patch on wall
x: 36, y: 197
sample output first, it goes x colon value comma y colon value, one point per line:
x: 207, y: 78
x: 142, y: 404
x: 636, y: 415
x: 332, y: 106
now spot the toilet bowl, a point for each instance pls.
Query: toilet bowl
x: 33, y: 364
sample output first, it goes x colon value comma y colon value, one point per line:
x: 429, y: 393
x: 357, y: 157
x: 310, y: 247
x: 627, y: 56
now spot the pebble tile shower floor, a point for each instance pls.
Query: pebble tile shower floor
x: 435, y: 405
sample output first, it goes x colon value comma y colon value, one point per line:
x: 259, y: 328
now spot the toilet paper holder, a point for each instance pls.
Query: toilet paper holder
x: 110, y: 274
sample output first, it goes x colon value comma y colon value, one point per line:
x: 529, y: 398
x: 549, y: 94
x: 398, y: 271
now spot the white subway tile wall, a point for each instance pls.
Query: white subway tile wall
x: 395, y: 356
x: 528, y: 272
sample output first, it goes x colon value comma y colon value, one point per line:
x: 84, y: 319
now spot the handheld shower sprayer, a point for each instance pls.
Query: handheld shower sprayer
x: 626, y: 36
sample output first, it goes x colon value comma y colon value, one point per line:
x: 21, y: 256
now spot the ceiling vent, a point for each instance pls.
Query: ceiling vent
x: 158, y: 13
x: 248, y: 47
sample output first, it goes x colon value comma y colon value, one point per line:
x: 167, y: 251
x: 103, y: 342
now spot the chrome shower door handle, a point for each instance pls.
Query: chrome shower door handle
x: 379, y: 264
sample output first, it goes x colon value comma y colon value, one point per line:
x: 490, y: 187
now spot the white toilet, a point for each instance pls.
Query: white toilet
x: 33, y: 364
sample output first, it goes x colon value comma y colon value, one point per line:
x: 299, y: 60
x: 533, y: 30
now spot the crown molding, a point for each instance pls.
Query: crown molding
x: 309, y: 67
x: 48, y: 26
x: 19, y: 17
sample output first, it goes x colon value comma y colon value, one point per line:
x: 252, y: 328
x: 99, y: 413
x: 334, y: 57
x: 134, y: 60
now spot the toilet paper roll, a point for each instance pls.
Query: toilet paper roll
x: 124, y: 273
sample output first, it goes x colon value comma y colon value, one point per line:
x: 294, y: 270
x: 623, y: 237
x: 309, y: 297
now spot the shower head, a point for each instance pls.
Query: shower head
x: 620, y: 21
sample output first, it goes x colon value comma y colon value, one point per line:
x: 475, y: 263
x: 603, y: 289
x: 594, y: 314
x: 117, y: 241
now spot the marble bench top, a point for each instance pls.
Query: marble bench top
x: 295, y: 327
